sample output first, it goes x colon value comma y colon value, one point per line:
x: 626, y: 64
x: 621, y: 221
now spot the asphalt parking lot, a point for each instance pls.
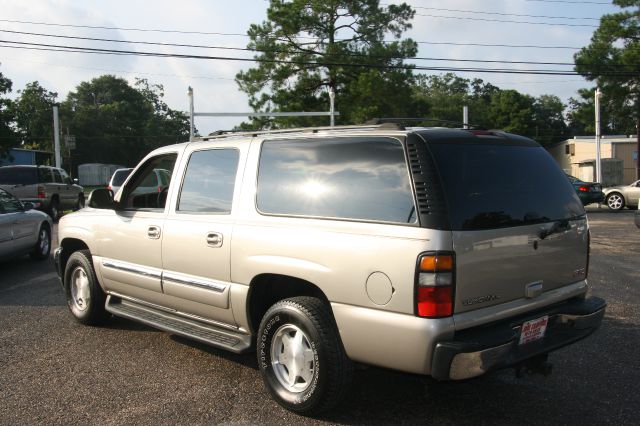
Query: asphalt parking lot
x: 53, y: 370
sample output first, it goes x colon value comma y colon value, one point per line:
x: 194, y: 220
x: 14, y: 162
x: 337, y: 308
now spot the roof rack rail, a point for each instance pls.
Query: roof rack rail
x: 252, y: 133
x: 400, y: 120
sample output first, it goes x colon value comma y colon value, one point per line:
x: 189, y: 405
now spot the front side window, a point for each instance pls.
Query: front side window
x: 209, y: 182
x: 360, y: 178
x: 145, y: 191
x: 57, y: 178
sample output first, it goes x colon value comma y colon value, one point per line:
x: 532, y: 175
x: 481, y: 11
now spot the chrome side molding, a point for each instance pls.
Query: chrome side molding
x: 134, y: 269
x: 217, y: 286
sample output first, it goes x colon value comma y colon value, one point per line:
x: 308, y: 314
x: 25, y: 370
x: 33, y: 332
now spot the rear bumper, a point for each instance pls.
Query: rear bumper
x: 591, y: 197
x: 476, y: 351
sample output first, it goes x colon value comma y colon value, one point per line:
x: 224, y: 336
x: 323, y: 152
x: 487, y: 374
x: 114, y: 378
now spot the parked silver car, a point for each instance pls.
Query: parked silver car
x: 23, y: 230
x: 617, y: 197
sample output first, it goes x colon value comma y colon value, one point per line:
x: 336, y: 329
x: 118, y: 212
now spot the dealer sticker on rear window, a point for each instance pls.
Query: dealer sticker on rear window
x: 533, y: 330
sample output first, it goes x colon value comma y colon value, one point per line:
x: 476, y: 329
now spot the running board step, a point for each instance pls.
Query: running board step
x: 173, y: 323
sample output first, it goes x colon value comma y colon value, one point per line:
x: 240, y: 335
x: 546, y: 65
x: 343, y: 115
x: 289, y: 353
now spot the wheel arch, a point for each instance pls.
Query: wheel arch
x: 267, y: 289
x: 69, y: 246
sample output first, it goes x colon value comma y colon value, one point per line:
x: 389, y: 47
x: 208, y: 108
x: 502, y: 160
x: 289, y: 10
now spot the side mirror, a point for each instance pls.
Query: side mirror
x: 101, y: 198
x: 27, y: 206
x: 75, y: 180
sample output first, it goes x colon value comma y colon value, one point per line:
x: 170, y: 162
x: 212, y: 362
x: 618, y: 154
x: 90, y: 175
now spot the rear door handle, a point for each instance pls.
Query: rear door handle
x: 214, y: 239
x: 153, y: 232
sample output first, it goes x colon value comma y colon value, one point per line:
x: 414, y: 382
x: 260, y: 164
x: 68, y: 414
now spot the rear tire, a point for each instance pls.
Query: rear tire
x: 43, y: 246
x: 301, y: 357
x: 85, y: 297
x: 615, y: 201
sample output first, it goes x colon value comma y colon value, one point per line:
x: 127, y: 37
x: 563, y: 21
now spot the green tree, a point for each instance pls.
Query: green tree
x: 33, y: 114
x: 306, y: 47
x: 548, y: 119
x: 116, y: 123
x: 617, y: 117
x: 447, y: 94
x: 7, y: 136
x: 512, y: 111
x: 612, y: 59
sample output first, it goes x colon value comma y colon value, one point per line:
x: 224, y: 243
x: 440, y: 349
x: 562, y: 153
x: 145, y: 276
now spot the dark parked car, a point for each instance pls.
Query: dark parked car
x: 47, y: 188
x: 23, y: 230
x: 588, y: 192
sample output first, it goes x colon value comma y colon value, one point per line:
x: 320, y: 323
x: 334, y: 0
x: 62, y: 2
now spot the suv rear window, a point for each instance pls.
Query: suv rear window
x: 347, y: 178
x: 493, y: 185
x: 18, y: 176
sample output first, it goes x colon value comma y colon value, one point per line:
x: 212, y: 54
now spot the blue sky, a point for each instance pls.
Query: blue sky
x: 214, y: 88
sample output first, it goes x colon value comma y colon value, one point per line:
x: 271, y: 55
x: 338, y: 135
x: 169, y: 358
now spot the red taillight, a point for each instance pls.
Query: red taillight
x: 159, y: 189
x: 583, y: 188
x: 109, y: 188
x: 41, y: 193
x: 435, y: 301
x: 435, y: 285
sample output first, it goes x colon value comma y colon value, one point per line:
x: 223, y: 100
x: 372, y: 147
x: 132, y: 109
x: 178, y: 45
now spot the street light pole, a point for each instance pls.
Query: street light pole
x: 332, y: 98
x: 598, y: 95
x: 190, y: 93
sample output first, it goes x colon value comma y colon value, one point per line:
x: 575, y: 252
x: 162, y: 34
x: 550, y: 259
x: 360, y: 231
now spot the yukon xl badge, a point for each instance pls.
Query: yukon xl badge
x: 481, y: 299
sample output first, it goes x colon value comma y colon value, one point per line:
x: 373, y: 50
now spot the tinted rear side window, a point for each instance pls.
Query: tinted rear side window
x: 46, y: 175
x: 18, y: 176
x: 498, y: 185
x: 209, y: 181
x: 347, y: 178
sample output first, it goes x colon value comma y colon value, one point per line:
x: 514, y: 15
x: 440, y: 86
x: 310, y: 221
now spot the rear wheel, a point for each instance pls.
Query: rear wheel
x: 43, y: 246
x: 84, y: 295
x: 301, y: 357
x: 615, y: 201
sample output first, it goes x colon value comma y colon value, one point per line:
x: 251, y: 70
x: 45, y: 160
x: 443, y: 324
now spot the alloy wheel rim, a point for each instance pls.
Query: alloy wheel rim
x: 80, y: 294
x: 615, y: 202
x: 44, y: 242
x: 292, y: 358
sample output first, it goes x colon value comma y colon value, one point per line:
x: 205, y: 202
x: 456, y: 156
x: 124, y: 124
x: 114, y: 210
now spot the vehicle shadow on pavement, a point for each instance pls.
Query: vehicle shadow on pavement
x: 578, y: 392
x: 117, y: 323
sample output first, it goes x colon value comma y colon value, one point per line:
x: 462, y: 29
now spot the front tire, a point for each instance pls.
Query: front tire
x: 85, y: 297
x: 43, y: 246
x: 615, y: 201
x: 301, y: 357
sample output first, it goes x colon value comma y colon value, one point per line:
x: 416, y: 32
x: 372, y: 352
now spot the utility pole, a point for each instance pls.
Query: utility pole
x: 190, y: 93
x: 56, y: 136
x: 465, y: 117
x: 332, y: 98
x: 598, y: 95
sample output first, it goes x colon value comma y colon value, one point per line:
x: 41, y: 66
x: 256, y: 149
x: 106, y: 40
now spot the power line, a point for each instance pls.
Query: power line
x: 572, y: 2
x: 245, y: 35
x: 467, y: 18
x: 76, y: 49
x: 479, y: 12
x: 199, y: 46
x: 116, y: 71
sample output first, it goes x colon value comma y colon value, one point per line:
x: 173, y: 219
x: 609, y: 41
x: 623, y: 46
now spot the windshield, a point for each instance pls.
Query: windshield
x: 119, y: 177
x: 495, y: 186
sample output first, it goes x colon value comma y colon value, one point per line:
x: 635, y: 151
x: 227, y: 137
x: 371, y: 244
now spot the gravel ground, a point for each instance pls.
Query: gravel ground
x: 55, y: 371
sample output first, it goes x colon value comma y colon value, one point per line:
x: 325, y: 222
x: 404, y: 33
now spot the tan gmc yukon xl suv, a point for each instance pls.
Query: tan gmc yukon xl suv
x: 434, y: 251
